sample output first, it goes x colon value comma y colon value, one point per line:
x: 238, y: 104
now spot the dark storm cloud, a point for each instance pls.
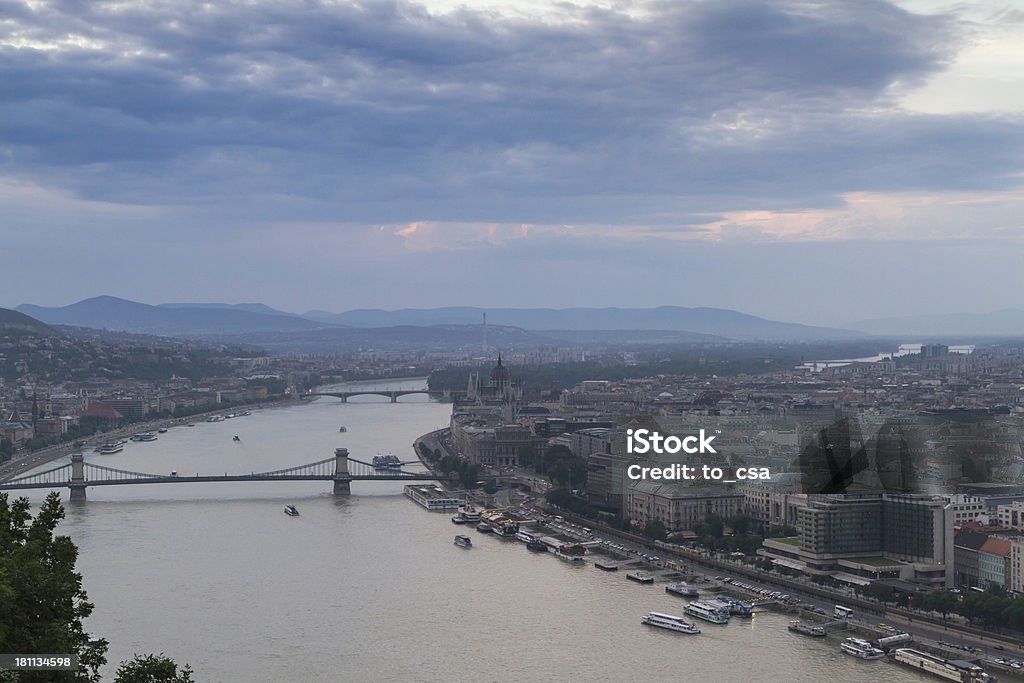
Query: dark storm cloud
x: 385, y: 112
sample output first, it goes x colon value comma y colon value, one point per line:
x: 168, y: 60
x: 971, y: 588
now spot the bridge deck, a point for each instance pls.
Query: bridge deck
x: 240, y: 477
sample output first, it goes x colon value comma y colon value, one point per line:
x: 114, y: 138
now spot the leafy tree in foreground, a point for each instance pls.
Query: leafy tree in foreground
x: 42, y: 603
x: 152, y: 669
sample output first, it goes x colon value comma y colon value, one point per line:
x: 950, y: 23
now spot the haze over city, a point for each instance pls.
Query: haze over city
x: 816, y: 164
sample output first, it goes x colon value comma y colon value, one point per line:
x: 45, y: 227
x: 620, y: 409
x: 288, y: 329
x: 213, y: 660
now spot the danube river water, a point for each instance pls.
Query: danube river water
x: 371, y: 587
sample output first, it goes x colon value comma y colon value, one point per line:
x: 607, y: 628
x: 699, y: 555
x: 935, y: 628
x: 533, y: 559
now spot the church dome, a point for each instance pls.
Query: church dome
x: 499, y: 375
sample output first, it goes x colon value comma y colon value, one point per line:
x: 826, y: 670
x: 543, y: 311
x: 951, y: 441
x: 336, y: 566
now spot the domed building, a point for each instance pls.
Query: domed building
x: 500, y: 390
x: 500, y: 375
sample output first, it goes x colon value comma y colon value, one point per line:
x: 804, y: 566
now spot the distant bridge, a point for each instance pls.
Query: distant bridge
x: 342, y: 470
x: 387, y: 393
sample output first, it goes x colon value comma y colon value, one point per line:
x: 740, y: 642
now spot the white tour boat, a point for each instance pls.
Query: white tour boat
x: 670, y: 622
x: 858, y: 647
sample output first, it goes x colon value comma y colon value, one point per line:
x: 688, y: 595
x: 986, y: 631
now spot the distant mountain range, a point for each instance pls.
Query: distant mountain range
x: 1005, y: 323
x: 251, y: 308
x: 108, y: 312
x: 15, y: 323
x: 251, y: 322
x: 718, y: 322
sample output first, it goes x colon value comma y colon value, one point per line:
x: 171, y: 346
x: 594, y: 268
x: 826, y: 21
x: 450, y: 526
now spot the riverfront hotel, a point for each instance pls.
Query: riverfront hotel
x: 857, y: 538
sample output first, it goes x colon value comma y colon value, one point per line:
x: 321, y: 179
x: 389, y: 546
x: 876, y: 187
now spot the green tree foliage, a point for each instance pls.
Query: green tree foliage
x: 740, y: 524
x: 711, y: 526
x: 678, y: 359
x: 878, y: 591
x: 941, y: 601
x: 42, y: 602
x: 565, y: 469
x: 993, y: 608
x: 152, y: 669
x: 655, y: 529
x: 567, y: 501
x: 468, y: 473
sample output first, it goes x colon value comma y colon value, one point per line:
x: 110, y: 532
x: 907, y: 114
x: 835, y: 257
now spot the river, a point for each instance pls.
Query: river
x: 371, y: 587
x: 904, y: 350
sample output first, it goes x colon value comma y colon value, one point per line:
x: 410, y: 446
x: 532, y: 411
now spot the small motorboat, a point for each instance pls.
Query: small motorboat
x: 291, y: 511
x: 235, y: 438
x: 463, y: 541
x: 162, y: 430
x: 342, y: 429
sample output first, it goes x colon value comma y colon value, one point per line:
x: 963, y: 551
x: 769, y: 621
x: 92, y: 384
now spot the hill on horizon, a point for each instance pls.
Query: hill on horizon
x: 14, y: 322
x: 219, y: 320
x: 719, y: 322
x: 113, y: 313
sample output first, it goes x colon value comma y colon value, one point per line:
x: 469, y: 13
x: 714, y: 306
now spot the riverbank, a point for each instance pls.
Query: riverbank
x: 33, y: 459
x: 927, y: 626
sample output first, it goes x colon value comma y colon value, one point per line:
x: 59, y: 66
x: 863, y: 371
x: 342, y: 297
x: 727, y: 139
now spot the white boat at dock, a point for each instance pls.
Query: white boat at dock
x: 858, y: 647
x: 707, y: 612
x: 670, y: 622
x: 682, y: 589
x: 951, y: 670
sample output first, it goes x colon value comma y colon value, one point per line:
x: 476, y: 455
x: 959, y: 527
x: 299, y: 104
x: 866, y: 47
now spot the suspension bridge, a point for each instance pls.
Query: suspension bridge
x: 342, y: 470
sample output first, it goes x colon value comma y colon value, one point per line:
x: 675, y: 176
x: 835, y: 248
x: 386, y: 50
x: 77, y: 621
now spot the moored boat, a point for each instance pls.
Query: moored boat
x: 950, y: 670
x: 537, y: 546
x: 669, y: 622
x: 807, y: 629
x: 858, y: 647
x: 737, y: 607
x: 467, y: 514
x: 570, y: 553
x: 387, y: 462
x: 505, y: 528
x: 640, y: 577
x: 524, y: 536
x: 682, y: 589
x: 484, y: 528
x: 707, y: 612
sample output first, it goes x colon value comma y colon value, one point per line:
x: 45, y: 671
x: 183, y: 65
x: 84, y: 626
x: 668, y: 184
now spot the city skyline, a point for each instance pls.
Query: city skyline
x: 819, y: 165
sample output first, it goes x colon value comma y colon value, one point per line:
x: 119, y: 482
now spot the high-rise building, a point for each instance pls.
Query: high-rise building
x: 909, y: 536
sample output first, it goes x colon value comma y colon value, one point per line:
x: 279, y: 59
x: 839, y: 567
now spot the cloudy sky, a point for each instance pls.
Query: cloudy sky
x: 818, y: 162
